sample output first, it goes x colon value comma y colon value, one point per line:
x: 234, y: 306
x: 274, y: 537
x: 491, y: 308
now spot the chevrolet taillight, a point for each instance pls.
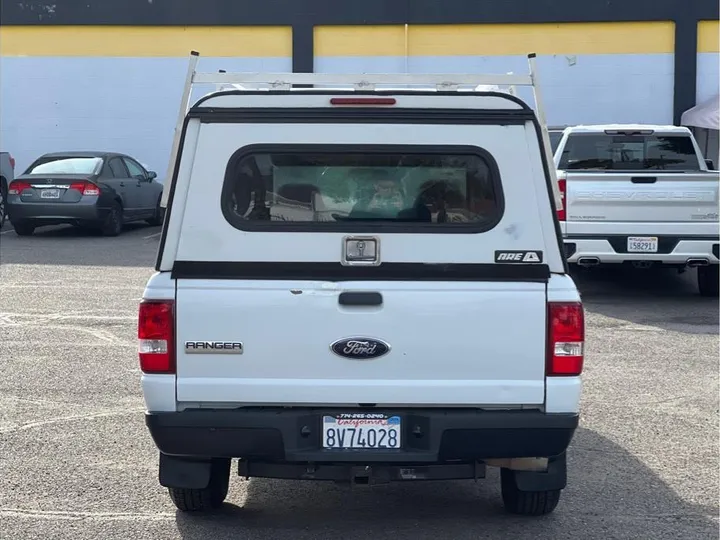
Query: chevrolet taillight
x: 562, y: 187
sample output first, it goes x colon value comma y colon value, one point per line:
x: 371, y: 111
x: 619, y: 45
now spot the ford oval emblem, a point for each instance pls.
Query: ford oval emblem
x: 360, y: 348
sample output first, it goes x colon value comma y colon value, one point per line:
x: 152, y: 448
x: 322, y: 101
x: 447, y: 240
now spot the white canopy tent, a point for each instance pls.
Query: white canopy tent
x: 705, y: 115
x: 704, y: 120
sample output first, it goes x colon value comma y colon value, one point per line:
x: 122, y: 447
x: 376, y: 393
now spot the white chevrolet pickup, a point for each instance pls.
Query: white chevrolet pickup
x: 639, y: 194
x: 361, y: 286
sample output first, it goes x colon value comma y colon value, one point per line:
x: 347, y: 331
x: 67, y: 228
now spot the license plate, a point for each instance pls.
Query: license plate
x: 50, y: 194
x: 361, y: 431
x: 642, y: 244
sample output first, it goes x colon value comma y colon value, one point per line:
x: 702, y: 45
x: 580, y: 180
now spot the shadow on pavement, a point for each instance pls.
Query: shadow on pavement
x: 659, y: 298
x: 610, y: 494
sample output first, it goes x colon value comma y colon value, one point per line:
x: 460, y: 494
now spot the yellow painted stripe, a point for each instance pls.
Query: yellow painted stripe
x: 496, y: 39
x: 359, y: 40
x: 242, y: 41
x: 709, y: 36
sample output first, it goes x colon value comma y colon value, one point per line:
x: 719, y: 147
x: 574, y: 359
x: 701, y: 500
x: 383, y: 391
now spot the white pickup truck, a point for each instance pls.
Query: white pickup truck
x: 639, y: 194
x: 361, y: 286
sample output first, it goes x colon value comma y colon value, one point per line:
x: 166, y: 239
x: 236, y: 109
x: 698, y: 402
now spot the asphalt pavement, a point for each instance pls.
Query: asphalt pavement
x: 76, y: 461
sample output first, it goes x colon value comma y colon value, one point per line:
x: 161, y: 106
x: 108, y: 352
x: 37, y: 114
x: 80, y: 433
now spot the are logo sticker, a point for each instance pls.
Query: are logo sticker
x: 519, y: 257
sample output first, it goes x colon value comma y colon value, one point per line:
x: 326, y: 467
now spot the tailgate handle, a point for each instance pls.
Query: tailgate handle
x: 360, y: 299
x: 643, y: 179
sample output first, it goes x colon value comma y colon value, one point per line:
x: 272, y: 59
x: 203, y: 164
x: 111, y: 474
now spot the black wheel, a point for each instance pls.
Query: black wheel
x: 113, y: 223
x: 157, y: 219
x: 3, y: 198
x: 708, y: 280
x: 526, y: 503
x: 24, y: 228
x: 209, y: 498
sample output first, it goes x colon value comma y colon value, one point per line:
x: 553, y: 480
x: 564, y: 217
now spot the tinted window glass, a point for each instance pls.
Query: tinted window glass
x: 117, y: 168
x: 135, y: 169
x: 65, y: 165
x: 629, y: 152
x: 351, y: 187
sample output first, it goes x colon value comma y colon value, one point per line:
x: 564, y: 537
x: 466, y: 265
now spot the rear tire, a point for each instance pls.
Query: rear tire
x: 113, y: 223
x: 159, y: 216
x: 209, y: 498
x: 708, y: 280
x: 526, y: 503
x: 3, y: 201
x: 24, y: 228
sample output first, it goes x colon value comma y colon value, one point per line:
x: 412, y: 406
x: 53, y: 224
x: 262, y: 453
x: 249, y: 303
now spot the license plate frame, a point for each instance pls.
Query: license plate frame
x: 642, y: 244
x: 361, y: 431
x: 50, y: 193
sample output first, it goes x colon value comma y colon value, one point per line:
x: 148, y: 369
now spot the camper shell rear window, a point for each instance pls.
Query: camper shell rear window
x: 362, y: 188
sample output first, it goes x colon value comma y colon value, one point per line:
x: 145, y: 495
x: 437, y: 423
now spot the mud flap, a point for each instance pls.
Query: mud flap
x: 184, y: 473
x: 554, y: 478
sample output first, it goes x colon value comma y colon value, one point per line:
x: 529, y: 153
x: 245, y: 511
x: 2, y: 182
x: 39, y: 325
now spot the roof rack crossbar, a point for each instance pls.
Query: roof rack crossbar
x: 364, y: 81
x: 361, y: 80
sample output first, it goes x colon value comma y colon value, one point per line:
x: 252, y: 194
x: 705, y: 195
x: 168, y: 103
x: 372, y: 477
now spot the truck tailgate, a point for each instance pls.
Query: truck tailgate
x: 484, y: 341
x: 630, y: 197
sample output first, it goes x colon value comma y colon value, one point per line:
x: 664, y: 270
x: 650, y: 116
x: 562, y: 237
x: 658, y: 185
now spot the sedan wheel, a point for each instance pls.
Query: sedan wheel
x: 3, y: 206
x: 24, y: 228
x: 159, y: 216
x: 113, y: 224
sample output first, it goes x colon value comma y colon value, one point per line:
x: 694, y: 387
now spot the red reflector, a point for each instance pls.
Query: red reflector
x: 17, y: 187
x: 566, y: 338
x: 362, y: 101
x: 156, y: 323
x: 562, y: 186
x: 12, y: 161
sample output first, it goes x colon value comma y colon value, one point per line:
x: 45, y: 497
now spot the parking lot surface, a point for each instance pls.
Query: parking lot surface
x: 76, y: 461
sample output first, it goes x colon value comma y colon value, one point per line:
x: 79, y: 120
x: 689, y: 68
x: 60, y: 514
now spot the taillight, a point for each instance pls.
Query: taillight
x: 16, y: 187
x: 12, y: 161
x: 156, y: 323
x: 86, y: 188
x: 562, y: 188
x: 566, y: 338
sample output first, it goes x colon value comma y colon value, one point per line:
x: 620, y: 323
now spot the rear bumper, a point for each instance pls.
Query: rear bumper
x: 55, y: 212
x: 428, y: 435
x: 674, y: 250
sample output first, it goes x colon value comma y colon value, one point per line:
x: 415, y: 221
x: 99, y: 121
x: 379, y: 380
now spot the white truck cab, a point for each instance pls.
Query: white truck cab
x: 361, y: 286
x: 641, y: 195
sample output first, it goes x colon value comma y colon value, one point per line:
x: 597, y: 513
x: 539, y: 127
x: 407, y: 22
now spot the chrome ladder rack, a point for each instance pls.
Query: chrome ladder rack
x: 364, y: 81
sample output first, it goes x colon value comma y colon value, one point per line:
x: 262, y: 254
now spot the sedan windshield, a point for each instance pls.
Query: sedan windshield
x: 66, y: 165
